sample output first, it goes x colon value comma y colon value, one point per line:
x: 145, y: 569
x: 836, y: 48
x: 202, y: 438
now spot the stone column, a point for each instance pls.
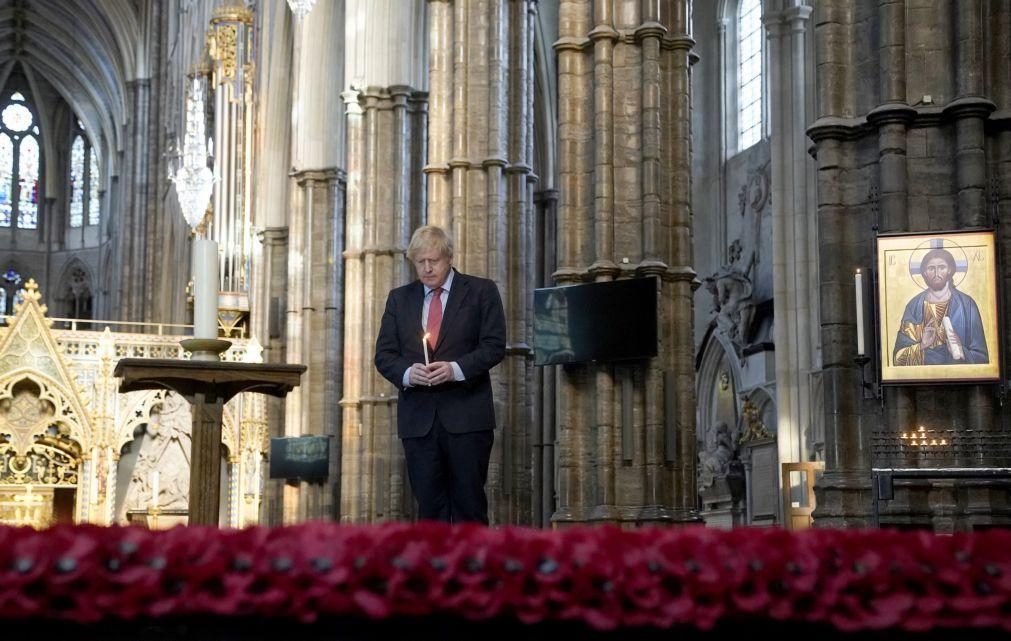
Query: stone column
x: 385, y: 142
x: 546, y: 206
x: 970, y: 110
x: 267, y: 296
x: 845, y: 225
x: 625, y: 210
x: 892, y: 119
x: 795, y: 232
x: 273, y: 255
x: 315, y: 323
x: 272, y: 157
x: 999, y: 23
x: 480, y: 185
x: 128, y: 296
x: 314, y: 309
x: 901, y: 149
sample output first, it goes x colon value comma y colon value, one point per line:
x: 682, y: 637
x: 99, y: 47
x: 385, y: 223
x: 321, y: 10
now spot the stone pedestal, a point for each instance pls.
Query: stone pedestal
x: 207, y: 385
x: 720, y: 507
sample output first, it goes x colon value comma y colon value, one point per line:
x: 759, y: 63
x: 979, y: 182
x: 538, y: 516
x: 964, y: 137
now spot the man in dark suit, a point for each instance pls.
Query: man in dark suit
x: 439, y: 337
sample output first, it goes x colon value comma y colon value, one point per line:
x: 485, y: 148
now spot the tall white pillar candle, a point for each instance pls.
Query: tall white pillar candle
x: 858, y: 285
x: 205, y: 288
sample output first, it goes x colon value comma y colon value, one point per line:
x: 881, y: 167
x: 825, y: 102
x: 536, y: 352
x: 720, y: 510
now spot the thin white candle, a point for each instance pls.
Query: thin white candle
x: 858, y: 283
x: 205, y: 288
x: 424, y: 344
x: 155, y: 489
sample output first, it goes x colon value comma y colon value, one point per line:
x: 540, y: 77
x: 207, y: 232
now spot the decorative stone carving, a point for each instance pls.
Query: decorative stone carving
x: 754, y: 426
x: 731, y: 289
x: 714, y: 461
x: 756, y: 192
x: 64, y: 423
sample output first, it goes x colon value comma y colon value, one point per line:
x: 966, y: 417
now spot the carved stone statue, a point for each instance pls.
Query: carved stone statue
x: 731, y: 290
x: 754, y: 427
x: 714, y: 462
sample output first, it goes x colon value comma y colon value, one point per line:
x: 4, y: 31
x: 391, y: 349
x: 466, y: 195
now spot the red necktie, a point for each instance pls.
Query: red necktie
x: 435, y: 317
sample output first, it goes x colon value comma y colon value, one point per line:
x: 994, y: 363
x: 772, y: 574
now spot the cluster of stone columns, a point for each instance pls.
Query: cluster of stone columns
x: 904, y: 135
x: 795, y: 229
x: 135, y: 198
x: 385, y: 196
x: 480, y: 187
x: 625, y: 210
x: 314, y: 294
x: 461, y: 156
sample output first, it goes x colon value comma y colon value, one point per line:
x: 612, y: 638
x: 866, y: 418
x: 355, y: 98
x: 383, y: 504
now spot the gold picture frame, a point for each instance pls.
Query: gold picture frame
x: 937, y: 302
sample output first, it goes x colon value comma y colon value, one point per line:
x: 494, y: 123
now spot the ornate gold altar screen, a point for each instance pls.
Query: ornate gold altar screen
x: 74, y: 449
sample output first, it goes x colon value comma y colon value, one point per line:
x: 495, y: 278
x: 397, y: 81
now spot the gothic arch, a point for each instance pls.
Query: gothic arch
x: 718, y: 384
x: 763, y: 400
x: 76, y: 290
x: 88, y: 50
x: 62, y: 401
x: 135, y: 409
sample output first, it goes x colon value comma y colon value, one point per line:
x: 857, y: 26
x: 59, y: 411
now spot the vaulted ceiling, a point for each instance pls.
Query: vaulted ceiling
x: 88, y: 50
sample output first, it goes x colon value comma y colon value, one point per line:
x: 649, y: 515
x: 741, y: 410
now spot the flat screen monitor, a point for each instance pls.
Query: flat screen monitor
x: 300, y: 457
x: 595, y: 322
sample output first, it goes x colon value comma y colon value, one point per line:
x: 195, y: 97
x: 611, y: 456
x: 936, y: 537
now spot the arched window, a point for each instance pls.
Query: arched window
x: 19, y: 164
x: 85, y: 181
x: 750, y: 57
x: 77, y: 293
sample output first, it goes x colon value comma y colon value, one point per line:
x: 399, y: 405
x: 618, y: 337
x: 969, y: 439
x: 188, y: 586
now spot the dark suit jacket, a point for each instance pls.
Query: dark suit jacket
x: 472, y: 334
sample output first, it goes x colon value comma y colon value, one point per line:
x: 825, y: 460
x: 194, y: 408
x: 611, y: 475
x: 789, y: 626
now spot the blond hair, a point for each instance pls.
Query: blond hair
x: 430, y: 237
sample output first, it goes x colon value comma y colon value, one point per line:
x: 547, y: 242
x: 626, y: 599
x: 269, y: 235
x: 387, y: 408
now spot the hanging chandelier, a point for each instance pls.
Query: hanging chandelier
x: 301, y: 8
x: 194, y: 180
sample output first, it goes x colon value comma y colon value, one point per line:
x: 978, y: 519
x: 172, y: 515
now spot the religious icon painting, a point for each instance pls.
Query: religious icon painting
x: 937, y: 296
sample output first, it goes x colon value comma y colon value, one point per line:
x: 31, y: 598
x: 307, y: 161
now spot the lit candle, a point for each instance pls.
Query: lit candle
x: 154, y: 488
x: 858, y: 283
x: 424, y: 344
x: 205, y: 288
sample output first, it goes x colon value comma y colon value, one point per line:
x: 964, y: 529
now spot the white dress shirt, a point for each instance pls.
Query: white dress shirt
x: 457, y: 372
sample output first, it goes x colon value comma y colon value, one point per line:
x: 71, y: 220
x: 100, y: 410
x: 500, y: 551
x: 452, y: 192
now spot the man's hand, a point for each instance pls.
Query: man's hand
x: 440, y: 372
x: 929, y: 335
x: 420, y: 375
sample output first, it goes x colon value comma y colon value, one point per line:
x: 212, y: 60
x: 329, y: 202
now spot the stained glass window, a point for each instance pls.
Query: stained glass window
x: 10, y: 290
x: 16, y: 117
x: 85, y: 181
x: 20, y: 164
x: 28, y: 201
x: 6, y: 179
x: 94, y: 203
x: 77, y: 182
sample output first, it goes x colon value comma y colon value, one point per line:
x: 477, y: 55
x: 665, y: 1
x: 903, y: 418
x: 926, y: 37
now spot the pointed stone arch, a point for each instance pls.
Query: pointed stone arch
x: 76, y: 291
x: 28, y: 351
x: 718, y: 385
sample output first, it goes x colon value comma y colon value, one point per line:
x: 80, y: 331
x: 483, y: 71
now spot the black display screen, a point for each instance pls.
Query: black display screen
x: 595, y: 322
x: 300, y: 457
